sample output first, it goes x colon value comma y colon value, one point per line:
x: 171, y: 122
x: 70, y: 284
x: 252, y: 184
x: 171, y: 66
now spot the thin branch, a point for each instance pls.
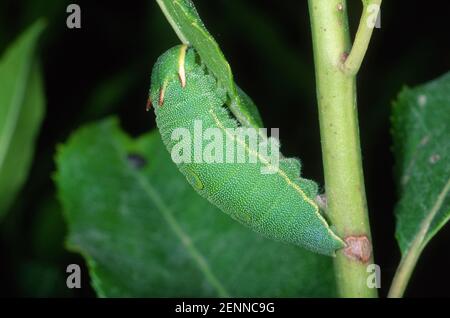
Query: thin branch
x: 371, y: 10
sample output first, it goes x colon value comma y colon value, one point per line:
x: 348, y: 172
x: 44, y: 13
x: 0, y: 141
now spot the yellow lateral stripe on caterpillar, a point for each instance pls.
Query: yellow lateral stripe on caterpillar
x: 279, y: 171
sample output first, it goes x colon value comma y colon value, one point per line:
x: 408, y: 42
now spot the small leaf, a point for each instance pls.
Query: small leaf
x: 421, y: 132
x: 145, y: 232
x: 22, y: 105
x: 186, y: 22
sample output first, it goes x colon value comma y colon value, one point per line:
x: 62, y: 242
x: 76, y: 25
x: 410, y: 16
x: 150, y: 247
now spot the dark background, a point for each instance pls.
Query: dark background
x: 104, y: 68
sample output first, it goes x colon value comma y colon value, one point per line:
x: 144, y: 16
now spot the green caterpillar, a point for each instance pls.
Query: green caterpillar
x: 279, y: 205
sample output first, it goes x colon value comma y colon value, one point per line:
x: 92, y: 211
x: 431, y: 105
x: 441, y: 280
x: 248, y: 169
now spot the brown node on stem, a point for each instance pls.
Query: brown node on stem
x: 358, y: 248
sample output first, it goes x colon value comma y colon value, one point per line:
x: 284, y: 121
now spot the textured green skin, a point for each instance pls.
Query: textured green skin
x: 270, y: 204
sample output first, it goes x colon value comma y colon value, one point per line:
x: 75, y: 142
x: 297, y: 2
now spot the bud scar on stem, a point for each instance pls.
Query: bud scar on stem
x: 358, y: 248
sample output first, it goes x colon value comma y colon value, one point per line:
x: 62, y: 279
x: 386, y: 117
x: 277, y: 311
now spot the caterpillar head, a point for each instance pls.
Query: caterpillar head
x: 174, y: 63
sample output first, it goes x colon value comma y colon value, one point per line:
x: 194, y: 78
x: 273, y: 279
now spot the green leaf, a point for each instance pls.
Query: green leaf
x: 421, y: 132
x: 145, y: 232
x: 186, y: 22
x: 22, y: 105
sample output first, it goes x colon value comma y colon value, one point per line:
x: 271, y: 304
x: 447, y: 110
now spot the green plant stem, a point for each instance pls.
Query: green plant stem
x: 410, y: 258
x: 405, y: 269
x: 362, y: 38
x: 344, y: 181
x: 172, y: 22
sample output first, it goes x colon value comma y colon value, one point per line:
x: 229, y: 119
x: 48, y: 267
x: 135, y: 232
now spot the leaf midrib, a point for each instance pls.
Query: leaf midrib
x: 185, y: 239
x: 426, y: 223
